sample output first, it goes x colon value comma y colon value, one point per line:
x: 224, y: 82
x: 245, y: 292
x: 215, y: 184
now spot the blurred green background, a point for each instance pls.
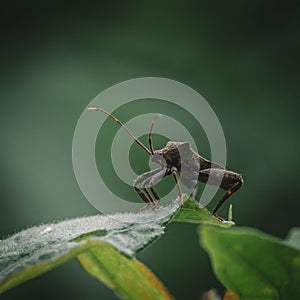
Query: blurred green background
x: 242, y: 56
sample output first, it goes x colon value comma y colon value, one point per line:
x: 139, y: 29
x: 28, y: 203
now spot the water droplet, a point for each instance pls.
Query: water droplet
x: 46, y: 230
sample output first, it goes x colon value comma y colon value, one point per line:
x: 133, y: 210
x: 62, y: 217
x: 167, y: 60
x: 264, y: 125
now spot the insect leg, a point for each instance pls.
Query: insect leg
x: 149, y: 196
x: 174, y: 171
x: 229, y: 192
x: 154, y: 193
x: 146, y: 176
x: 194, y: 192
x: 145, y: 179
x: 153, y: 180
x: 143, y: 196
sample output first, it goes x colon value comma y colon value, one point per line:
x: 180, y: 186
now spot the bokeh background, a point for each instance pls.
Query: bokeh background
x: 242, y: 56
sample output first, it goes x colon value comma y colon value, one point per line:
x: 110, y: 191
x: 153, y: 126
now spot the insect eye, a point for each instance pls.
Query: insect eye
x: 158, y: 152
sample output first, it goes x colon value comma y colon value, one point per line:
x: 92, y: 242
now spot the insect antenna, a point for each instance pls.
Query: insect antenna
x: 150, y: 134
x: 122, y: 125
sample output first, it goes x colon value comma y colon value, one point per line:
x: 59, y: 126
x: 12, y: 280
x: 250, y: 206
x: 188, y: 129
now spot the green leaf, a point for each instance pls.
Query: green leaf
x: 252, y: 264
x: 192, y: 213
x: 129, y: 278
x: 36, y: 250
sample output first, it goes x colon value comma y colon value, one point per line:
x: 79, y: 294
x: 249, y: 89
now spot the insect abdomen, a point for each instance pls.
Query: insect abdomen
x: 227, y: 178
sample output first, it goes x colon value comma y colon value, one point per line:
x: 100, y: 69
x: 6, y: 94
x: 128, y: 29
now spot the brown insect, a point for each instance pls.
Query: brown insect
x: 173, y: 159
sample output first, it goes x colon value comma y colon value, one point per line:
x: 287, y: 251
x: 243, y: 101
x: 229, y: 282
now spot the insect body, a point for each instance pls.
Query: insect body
x: 179, y: 158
